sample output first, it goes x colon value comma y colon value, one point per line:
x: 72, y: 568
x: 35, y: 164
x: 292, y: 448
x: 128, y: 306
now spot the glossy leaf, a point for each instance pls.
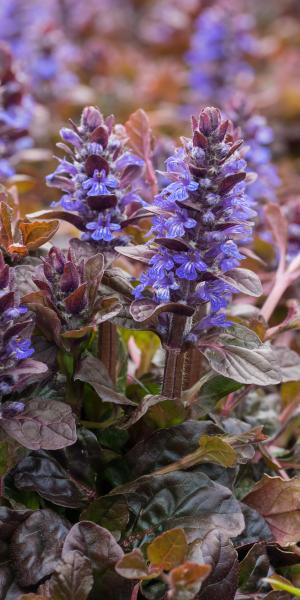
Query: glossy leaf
x: 177, y: 496
x: 243, y: 364
x: 40, y: 472
x: 109, y: 512
x: 36, y: 546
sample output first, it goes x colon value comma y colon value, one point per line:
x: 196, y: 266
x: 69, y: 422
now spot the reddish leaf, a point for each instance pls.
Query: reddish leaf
x: 37, y: 233
x: 278, y: 501
x: 139, y: 133
x: 6, y: 237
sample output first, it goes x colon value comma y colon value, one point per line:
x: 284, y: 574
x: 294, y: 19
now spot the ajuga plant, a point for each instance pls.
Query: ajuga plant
x: 16, y: 114
x: 100, y: 177
x: 97, y: 177
x: 222, y: 45
x: 202, y: 218
x: 36, y: 29
x: 258, y: 137
x: 16, y: 364
x: 175, y: 475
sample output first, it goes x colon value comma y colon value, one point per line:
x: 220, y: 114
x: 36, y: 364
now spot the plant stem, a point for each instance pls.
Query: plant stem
x: 107, y: 348
x: 281, y: 284
x: 193, y: 367
x: 135, y: 592
x: 174, y: 365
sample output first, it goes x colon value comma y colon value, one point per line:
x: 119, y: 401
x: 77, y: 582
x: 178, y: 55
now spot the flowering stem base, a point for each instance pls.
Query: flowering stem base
x: 192, y: 367
x: 174, y: 365
x: 107, y: 348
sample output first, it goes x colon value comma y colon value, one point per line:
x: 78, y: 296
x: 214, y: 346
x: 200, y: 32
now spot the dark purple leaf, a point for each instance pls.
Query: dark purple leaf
x: 187, y: 499
x: 46, y: 424
x: 91, y: 370
x: 100, y: 203
x: 146, y: 309
x: 94, y: 162
x: 110, y: 512
x: 223, y: 581
x: 62, y: 215
x: 253, y: 568
x: 167, y: 446
x: 72, y: 578
x: 28, y: 371
x: 41, y: 473
x: 94, y: 542
x: 244, y: 280
x: 36, y: 545
x: 139, y: 252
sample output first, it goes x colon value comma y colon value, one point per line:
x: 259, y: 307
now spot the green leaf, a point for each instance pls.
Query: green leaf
x: 214, y: 390
x: 168, y: 550
x: 217, y: 450
x: 279, y: 583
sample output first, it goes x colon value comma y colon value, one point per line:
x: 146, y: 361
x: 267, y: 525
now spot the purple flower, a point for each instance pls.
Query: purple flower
x: 199, y: 232
x: 16, y: 115
x: 21, y: 348
x: 258, y: 138
x: 100, y: 184
x: 221, y: 44
x: 98, y: 177
x: 16, y: 324
x: 191, y: 264
x: 103, y: 229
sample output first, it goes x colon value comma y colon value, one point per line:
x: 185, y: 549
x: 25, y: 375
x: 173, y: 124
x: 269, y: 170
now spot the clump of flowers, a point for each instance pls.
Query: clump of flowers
x: 97, y: 176
x: 16, y: 114
x: 34, y: 30
x: 15, y: 331
x: 202, y: 217
x: 258, y: 136
x: 221, y: 46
